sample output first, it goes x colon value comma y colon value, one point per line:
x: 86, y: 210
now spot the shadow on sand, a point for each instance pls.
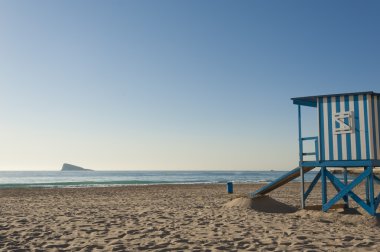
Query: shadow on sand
x: 264, y: 204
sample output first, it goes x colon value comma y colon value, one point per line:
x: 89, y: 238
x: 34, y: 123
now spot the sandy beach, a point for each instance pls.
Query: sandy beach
x: 176, y: 218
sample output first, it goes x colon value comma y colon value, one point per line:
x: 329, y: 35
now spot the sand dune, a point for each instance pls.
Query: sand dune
x: 175, y: 218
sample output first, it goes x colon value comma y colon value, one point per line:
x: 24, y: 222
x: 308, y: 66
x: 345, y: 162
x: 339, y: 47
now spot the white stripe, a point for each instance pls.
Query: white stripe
x: 334, y: 136
x: 344, y: 136
x: 362, y: 128
x: 377, y: 126
x: 319, y: 132
x: 370, y: 128
x: 353, y: 135
x: 326, y: 128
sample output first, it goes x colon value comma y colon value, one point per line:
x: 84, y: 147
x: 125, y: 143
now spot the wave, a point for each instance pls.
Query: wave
x: 40, y: 179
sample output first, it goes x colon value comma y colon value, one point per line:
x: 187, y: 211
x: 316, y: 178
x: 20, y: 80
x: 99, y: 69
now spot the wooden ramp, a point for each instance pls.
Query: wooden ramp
x: 295, y: 173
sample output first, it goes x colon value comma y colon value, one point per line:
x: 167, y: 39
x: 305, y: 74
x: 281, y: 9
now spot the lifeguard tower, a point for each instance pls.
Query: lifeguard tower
x: 348, y: 137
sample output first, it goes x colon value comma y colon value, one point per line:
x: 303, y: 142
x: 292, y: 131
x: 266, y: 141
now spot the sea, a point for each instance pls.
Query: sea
x: 62, y: 179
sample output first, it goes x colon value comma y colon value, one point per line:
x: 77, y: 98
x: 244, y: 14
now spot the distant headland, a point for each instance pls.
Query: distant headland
x: 69, y: 167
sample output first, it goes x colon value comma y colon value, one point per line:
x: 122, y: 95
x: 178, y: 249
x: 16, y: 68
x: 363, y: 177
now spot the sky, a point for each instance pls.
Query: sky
x: 174, y: 85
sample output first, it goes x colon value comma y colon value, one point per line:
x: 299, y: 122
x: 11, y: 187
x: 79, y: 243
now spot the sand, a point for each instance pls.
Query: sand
x: 177, y: 218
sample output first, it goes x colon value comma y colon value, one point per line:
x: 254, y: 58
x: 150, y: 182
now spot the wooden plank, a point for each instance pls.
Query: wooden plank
x: 295, y: 173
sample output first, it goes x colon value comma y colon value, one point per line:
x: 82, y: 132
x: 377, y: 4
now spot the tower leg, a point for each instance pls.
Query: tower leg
x: 324, y: 185
x: 302, y: 188
x: 367, y: 186
x: 345, y: 198
x: 371, y: 192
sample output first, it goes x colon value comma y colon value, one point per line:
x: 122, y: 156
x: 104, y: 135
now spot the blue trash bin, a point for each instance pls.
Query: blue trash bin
x: 230, y: 187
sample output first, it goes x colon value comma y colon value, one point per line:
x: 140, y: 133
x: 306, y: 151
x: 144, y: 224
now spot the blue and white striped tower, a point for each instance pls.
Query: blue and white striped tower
x: 349, y: 136
x: 349, y: 127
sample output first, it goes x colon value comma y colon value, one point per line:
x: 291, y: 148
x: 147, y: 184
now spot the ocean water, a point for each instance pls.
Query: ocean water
x: 11, y: 179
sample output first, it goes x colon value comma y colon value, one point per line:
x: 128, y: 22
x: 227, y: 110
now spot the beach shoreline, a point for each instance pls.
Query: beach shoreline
x: 173, y: 218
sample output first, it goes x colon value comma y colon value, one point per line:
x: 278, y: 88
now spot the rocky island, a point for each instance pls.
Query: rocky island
x: 69, y: 167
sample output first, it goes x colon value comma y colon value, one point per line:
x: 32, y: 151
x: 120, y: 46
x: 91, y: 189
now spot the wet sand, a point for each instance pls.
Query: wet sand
x: 176, y: 218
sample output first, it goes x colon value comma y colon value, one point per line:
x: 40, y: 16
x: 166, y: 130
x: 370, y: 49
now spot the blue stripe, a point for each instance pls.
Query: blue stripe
x: 348, y: 136
x: 365, y: 99
x: 337, y: 99
x: 374, y: 126
x: 321, y: 129
x: 331, y: 144
x: 357, y: 128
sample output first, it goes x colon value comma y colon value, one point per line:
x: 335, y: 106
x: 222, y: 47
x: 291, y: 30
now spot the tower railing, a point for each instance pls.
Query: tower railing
x: 315, y: 153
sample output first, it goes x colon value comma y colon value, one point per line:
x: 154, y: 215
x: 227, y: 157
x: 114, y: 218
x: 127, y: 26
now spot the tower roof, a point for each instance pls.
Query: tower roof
x: 311, y: 101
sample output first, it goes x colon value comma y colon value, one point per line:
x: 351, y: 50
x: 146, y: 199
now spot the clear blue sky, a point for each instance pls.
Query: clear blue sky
x: 173, y: 84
